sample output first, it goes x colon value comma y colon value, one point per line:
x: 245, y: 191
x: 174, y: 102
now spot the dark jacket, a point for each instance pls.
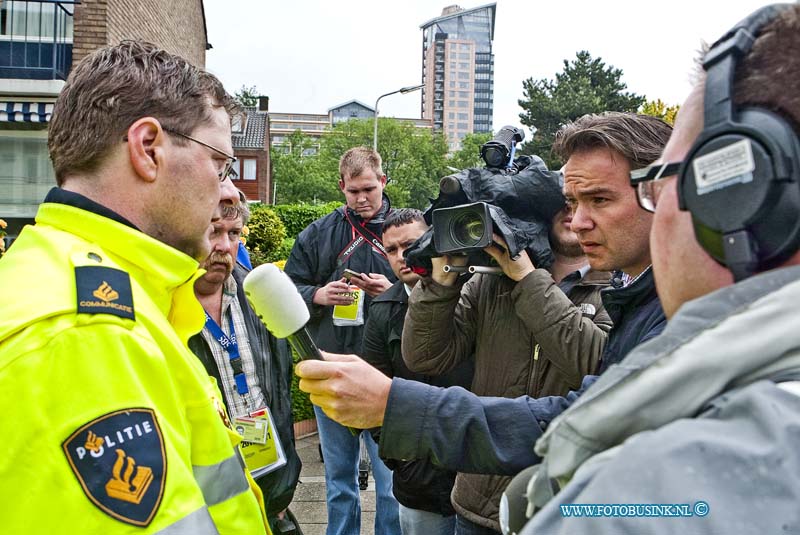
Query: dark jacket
x: 527, y: 337
x: 637, y: 315
x: 314, y: 262
x: 416, y: 484
x: 273, y: 362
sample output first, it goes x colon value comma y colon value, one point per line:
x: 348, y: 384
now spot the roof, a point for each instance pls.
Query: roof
x: 461, y: 13
x: 255, y: 130
x: 370, y: 108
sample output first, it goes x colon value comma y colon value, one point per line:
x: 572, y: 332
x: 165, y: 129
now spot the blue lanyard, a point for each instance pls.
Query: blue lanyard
x: 232, y: 348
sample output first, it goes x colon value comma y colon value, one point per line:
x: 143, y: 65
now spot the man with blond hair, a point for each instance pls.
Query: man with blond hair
x: 349, y: 238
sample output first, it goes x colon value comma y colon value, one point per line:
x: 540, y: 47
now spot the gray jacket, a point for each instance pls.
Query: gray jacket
x: 704, y: 413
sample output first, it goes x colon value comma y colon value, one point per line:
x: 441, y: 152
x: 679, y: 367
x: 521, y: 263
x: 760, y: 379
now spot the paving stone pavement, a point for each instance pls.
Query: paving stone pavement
x: 309, y: 506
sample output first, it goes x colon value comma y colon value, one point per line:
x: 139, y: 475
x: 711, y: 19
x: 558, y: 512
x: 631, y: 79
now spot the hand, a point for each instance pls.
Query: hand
x: 438, y: 274
x: 334, y: 293
x: 348, y: 389
x: 516, y: 269
x: 374, y: 283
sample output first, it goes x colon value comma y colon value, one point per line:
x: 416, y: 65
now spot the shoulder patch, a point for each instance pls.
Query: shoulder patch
x: 104, y: 290
x: 588, y: 309
x: 120, y: 463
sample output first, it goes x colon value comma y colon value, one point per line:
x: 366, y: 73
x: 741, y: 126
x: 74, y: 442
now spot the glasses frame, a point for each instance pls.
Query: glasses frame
x: 228, y: 170
x: 646, y: 178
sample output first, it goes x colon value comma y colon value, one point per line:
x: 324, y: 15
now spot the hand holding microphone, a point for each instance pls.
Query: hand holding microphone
x: 279, y: 305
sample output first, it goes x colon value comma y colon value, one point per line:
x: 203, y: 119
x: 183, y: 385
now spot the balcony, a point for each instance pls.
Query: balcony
x: 36, y: 39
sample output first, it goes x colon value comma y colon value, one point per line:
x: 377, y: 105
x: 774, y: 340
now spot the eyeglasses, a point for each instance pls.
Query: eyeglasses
x: 649, y: 180
x: 228, y: 170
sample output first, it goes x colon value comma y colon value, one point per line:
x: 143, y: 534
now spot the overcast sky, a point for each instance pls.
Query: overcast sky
x: 311, y: 55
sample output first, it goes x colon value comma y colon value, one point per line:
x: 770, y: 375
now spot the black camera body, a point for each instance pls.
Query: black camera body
x: 513, y: 197
x: 467, y: 228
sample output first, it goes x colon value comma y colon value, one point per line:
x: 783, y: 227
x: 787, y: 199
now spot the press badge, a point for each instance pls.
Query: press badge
x: 252, y: 429
x: 351, y: 315
x: 265, y: 455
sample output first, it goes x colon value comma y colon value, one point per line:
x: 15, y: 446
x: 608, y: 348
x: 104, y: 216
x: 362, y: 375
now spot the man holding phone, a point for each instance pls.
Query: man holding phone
x: 338, y: 264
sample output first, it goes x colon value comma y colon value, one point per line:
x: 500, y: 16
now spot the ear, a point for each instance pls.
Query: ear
x: 146, y: 141
x: 383, y: 180
x: 341, y: 185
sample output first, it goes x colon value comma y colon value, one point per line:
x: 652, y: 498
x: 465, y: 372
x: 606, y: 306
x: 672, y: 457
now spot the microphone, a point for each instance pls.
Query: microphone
x: 281, y: 308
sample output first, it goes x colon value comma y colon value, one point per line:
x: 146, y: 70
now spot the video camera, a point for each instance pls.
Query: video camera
x: 515, y: 197
x: 468, y: 227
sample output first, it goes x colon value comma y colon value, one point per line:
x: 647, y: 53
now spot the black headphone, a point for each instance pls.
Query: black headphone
x: 741, y: 178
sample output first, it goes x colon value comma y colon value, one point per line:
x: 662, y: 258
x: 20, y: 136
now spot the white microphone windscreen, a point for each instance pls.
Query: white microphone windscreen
x: 275, y: 299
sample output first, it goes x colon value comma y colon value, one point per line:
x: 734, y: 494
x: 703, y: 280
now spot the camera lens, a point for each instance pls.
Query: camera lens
x: 467, y: 229
x: 494, y: 156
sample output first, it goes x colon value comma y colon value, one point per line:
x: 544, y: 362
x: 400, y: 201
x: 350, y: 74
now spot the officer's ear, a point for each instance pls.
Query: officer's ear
x: 146, y: 141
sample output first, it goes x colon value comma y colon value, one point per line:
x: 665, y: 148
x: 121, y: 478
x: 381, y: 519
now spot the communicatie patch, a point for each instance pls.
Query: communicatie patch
x: 120, y: 463
x: 104, y: 290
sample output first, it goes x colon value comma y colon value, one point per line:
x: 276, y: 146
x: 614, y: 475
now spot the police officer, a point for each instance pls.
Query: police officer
x: 116, y: 426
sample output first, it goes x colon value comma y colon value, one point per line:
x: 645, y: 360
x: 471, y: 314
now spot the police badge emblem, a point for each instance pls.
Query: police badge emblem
x: 120, y: 463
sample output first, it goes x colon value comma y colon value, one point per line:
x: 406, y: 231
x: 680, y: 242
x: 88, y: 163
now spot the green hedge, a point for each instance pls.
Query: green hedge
x: 296, y: 217
x: 302, y: 409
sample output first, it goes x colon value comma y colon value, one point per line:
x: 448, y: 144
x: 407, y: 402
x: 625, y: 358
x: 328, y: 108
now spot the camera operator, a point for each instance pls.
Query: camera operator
x: 533, y: 332
x: 494, y: 435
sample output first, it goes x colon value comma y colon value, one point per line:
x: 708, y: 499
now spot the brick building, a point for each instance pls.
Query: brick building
x: 251, y: 147
x: 40, y: 42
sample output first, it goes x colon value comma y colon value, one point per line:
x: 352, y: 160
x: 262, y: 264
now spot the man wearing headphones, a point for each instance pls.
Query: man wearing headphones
x: 705, y: 417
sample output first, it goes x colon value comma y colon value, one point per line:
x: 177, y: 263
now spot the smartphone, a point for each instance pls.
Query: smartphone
x: 349, y: 274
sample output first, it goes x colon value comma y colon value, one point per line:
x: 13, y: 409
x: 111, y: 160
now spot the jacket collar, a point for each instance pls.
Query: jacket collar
x: 641, y: 290
x: 165, y: 274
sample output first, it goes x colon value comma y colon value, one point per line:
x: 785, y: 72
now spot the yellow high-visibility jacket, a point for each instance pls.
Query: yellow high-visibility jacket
x: 110, y: 424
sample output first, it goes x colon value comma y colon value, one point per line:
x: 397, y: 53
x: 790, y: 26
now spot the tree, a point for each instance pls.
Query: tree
x: 469, y: 155
x: 413, y: 159
x: 246, y: 96
x: 586, y: 85
x: 659, y: 109
x: 300, y: 176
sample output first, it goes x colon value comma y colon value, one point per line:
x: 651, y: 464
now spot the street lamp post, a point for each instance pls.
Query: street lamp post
x: 402, y: 90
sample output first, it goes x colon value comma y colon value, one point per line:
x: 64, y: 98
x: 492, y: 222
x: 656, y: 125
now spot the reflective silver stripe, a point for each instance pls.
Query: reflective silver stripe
x: 196, y: 523
x: 221, y: 481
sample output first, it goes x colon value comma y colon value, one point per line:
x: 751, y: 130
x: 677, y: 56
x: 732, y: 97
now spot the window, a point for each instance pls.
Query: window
x: 463, y: 55
x: 463, y: 76
x: 248, y: 169
x: 463, y: 116
x: 32, y: 20
x: 237, y: 123
x: 452, y: 115
x: 463, y: 66
x: 462, y: 126
x: 451, y: 94
x: 26, y: 174
x: 462, y: 103
x: 452, y: 84
x: 463, y: 94
x: 462, y: 85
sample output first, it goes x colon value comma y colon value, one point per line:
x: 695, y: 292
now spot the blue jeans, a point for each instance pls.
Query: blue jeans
x: 340, y: 450
x: 465, y: 527
x: 419, y: 522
